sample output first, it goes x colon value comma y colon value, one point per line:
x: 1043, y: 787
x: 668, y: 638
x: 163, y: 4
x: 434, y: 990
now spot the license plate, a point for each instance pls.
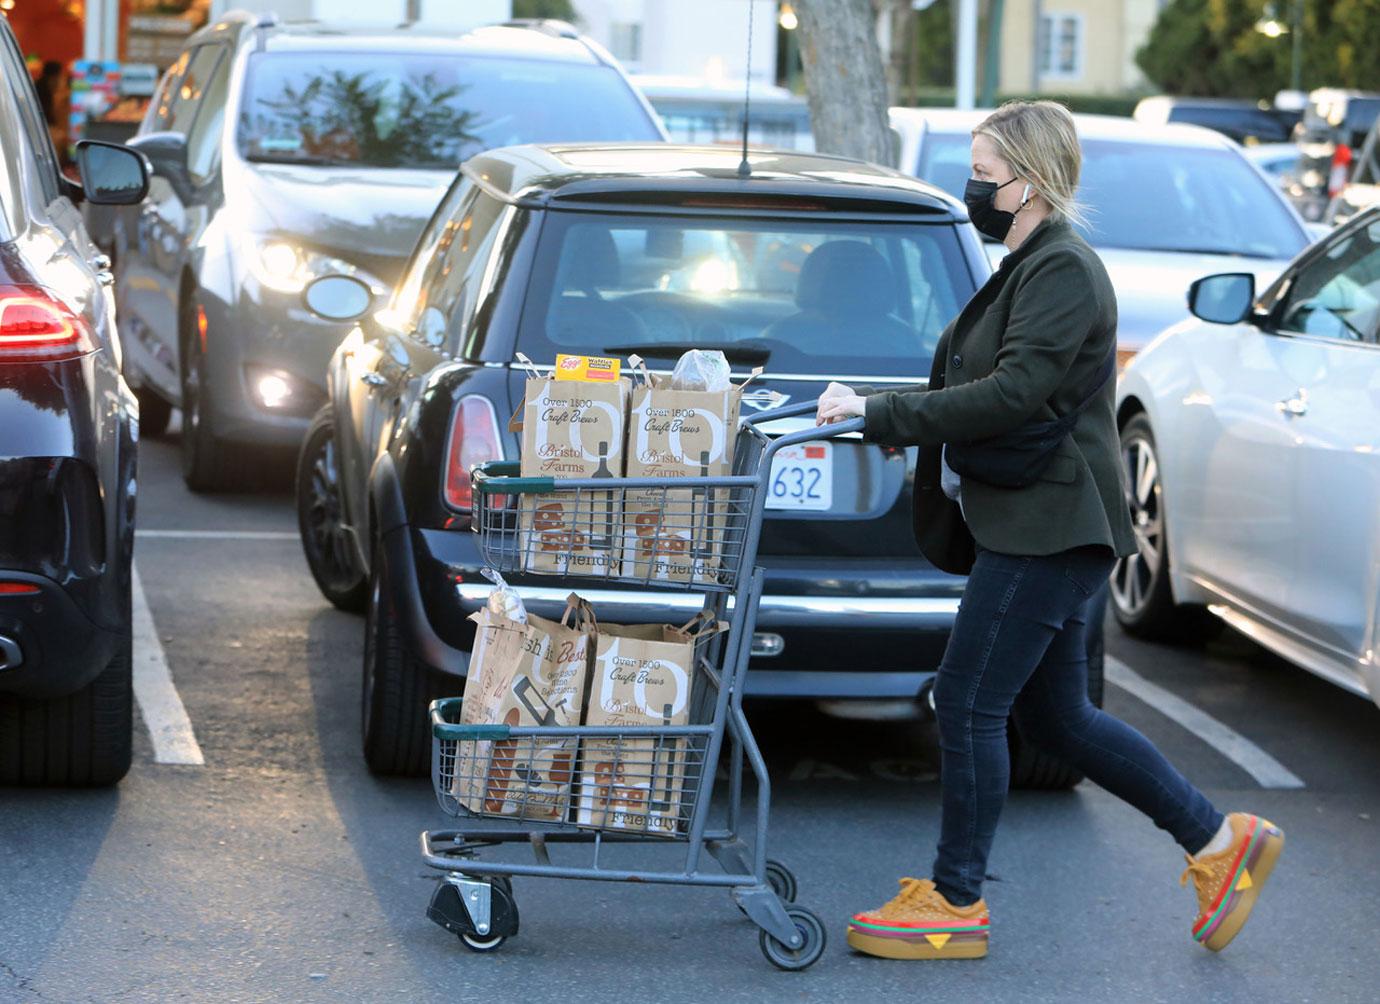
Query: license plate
x: 802, y: 478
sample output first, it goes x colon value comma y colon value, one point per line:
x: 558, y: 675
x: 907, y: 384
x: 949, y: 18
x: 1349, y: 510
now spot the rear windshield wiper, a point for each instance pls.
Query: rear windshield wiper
x: 663, y: 350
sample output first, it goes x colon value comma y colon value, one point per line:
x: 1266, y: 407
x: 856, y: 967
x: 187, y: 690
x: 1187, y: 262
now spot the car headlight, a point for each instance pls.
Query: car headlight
x: 283, y: 265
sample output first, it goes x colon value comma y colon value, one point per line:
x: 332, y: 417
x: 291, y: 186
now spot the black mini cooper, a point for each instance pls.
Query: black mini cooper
x: 816, y: 268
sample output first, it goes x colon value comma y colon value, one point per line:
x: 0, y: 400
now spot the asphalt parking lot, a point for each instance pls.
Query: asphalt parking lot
x: 278, y: 869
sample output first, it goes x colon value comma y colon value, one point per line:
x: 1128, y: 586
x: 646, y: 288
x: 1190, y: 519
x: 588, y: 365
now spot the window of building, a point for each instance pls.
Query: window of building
x: 625, y: 42
x: 1060, y: 46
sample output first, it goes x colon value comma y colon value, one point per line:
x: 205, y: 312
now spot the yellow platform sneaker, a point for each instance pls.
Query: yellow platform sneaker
x: 919, y: 923
x: 1229, y: 882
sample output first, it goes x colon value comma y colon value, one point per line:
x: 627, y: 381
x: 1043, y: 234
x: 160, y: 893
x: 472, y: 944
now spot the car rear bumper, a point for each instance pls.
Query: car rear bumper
x: 48, y: 646
x: 851, y: 641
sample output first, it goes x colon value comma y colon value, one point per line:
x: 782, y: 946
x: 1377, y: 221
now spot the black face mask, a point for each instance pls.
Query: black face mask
x: 980, y: 198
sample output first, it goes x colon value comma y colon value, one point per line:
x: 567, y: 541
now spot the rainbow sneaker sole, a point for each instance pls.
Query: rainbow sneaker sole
x: 1255, y: 861
x: 943, y: 940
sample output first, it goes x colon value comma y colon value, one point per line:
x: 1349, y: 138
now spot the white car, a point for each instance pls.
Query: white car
x: 1252, y: 442
x: 1167, y: 204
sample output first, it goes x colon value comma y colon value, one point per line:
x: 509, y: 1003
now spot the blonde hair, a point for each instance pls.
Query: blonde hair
x: 1039, y: 141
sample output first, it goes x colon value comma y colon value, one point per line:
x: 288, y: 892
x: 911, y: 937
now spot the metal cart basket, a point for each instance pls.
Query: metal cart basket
x: 689, y: 534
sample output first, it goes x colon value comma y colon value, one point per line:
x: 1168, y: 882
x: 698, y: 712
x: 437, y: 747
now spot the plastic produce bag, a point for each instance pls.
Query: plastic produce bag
x: 504, y: 600
x: 702, y: 370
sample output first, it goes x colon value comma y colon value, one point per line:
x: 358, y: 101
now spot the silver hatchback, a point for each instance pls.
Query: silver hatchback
x: 285, y: 152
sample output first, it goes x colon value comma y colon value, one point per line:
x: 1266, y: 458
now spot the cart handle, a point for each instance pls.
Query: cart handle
x: 507, y: 471
x: 809, y: 435
x: 785, y: 411
x: 444, y: 713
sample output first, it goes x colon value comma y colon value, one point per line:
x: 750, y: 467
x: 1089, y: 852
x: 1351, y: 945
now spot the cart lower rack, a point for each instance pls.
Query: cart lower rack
x: 600, y: 789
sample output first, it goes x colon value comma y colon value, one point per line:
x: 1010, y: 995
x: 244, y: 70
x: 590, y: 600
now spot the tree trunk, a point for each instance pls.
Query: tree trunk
x: 845, y: 80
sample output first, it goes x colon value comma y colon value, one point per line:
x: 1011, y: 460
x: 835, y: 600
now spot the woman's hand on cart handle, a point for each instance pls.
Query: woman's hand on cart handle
x: 837, y: 404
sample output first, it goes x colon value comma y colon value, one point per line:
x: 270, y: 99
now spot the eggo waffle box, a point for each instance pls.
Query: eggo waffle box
x: 641, y: 676
x: 679, y: 535
x: 573, y: 426
x: 531, y: 674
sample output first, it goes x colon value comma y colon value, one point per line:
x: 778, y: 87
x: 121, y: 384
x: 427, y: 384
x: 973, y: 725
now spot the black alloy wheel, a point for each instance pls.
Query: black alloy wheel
x: 327, y: 544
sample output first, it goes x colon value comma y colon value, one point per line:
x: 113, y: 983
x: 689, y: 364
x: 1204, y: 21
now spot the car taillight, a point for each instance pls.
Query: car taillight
x: 1341, y: 169
x: 474, y: 439
x: 37, y: 327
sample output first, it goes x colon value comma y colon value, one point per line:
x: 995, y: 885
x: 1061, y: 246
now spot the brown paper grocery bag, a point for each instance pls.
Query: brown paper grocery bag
x: 523, y: 675
x: 573, y: 429
x: 642, y: 675
x: 679, y: 535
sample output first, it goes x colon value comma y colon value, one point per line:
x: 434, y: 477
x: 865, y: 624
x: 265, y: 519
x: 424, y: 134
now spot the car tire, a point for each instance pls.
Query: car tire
x: 154, y: 413
x: 397, y: 688
x: 329, y: 551
x: 208, y: 463
x: 82, y: 740
x: 1142, y: 599
x: 1032, y: 768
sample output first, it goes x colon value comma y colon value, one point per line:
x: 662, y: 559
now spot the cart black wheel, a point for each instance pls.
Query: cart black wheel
x: 477, y: 944
x: 503, y: 882
x: 782, y: 881
x: 813, y: 939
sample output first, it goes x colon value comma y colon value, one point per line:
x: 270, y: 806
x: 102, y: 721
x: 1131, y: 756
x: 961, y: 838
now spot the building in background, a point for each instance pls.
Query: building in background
x: 1074, y: 46
x: 703, y: 39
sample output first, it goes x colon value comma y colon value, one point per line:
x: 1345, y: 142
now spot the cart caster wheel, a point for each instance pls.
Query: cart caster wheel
x: 477, y: 944
x: 813, y: 940
x: 782, y: 881
x: 448, y: 911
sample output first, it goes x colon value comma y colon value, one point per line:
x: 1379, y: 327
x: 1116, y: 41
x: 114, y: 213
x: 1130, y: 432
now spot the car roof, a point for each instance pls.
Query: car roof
x: 666, y: 174
x: 526, y: 42
x: 1096, y: 127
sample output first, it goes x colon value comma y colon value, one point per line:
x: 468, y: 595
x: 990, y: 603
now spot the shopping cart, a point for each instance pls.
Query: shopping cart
x: 706, y: 531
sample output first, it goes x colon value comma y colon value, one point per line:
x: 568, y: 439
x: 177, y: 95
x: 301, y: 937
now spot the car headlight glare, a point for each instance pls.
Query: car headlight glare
x: 280, y: 265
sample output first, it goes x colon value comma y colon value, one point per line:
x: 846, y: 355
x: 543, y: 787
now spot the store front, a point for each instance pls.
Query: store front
x: 96, y: 62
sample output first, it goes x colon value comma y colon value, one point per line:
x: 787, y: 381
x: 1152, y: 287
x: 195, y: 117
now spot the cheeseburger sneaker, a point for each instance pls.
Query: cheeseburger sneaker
x: 921, y: 924
x: 1229, y: 881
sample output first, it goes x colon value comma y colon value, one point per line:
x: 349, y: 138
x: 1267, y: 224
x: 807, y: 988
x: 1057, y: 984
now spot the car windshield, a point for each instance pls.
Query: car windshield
x: 839, y: 298
x: 421, y: 110
x: 1149, y: 197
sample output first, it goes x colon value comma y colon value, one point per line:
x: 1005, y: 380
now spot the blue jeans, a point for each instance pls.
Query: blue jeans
x: 1019, y: 650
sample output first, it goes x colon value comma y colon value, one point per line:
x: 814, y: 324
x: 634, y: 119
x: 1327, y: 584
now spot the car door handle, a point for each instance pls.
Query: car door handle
x: 1294, y: 407
x: 373, y: 379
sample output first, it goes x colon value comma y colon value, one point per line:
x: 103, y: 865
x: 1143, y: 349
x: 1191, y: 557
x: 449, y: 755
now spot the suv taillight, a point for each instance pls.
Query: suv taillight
x: 474, y: 439
x: 37, y: 327
x: 1341, y: 169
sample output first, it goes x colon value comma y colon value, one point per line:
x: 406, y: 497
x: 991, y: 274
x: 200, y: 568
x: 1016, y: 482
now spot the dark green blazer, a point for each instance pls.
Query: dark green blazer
x: 1027, y: 346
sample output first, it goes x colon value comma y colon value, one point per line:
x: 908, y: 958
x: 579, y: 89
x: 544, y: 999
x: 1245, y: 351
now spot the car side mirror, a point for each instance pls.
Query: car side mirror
x: 111, y: 174
x: 337, y: 298
x: 167, y: 153
x: 1222, y: 299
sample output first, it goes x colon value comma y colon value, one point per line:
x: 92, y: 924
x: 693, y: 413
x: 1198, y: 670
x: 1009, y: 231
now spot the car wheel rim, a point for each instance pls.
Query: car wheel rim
x: 1135, y: 577
x: 326, y: 528
x: 371, y: 626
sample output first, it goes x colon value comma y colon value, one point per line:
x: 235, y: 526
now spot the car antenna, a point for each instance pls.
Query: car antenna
x: 744, y: 168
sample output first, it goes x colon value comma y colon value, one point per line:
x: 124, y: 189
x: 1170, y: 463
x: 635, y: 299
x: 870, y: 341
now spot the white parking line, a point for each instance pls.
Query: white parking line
x: 219, y: 534
x: 166, y: 718
x: 1267, y: 771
